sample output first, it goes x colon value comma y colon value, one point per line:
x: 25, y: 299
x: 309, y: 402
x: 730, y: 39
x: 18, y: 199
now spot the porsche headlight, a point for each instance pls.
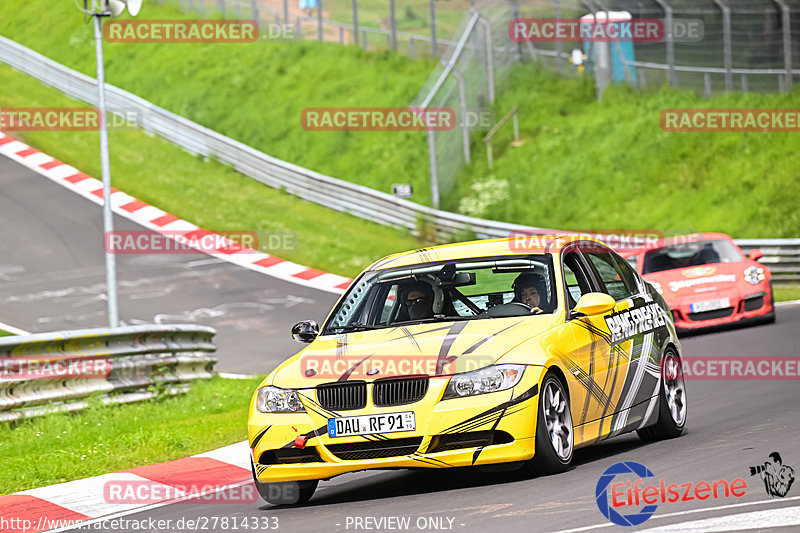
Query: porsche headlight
x: 275, y: 400
x: 754, y: 275
x: 489, y: 379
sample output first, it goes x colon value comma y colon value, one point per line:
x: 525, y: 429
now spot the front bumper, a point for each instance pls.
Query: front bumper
x: 753, y: 306
x: 508, y: 417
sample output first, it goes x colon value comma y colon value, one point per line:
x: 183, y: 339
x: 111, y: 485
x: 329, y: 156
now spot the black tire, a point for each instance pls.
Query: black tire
x: 547, y: 460
x: 286, y: 493
x: 667, y: 427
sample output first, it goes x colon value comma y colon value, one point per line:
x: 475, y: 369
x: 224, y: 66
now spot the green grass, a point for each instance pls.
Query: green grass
x: 63, y: 447
x: 5, y: 334
x: 784, y: 294
x: 208, y: 193
x: 583, y: 164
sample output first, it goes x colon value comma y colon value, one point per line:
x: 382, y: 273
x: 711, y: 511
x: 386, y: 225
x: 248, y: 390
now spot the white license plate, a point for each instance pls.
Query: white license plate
x: 347, y: 426
x: 709, y: 305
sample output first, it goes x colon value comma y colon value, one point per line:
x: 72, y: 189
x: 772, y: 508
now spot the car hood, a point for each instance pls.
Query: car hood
x: 438, y: 348
x: 690, y: 282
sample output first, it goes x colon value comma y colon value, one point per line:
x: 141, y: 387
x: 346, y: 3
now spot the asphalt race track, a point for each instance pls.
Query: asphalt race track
x: 51, y: 276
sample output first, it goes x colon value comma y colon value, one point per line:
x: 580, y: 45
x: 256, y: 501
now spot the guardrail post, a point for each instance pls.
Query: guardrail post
x: 434, y: 47
x: 355, y: 22
x: 286, y: 12
x: 298, y: 34
x: 707, y: 82
x: 557, y: 15
x: 341, y: 35
x: 200, y: 7
x: 744, y: 83
x: 411, y: 50
x: 786, y: 22
x: 462, y: 96
x: 393, y: 24
x: 670, y: 40
x: 726, y: 36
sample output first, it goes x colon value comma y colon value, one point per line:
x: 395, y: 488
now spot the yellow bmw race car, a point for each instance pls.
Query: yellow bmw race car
x: 481, y: 353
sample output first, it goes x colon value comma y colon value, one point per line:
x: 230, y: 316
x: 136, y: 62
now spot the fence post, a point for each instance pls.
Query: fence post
x: 489, y: 55
x: 341, y: 35
x: 253, y: 11
x: 298, y: 28
x: 707, y: 83
x: 319, y: 21
x: 726, y: 35
x: 355, y: 22
x: 557, y: 13
x: 786, y: 19
x: 393, y: 24
x: 411, y: 51
x: 462, y: 96
x: 434, y: 172
x: 744, y: 83
x: 673, y: 78
x: 433, y: 27
x: 285, y: 13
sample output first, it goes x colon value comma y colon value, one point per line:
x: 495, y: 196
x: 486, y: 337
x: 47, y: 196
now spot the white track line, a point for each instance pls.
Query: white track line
x: 788, y: 516
x: 12, y: 329
x: 681, y: 513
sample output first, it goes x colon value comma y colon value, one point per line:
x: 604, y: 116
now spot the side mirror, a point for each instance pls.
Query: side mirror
x: 594, y: 303
x: 756, y: 254
x: 305, y: 331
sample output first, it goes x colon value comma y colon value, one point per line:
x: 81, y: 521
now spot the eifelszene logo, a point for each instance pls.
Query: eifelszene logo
x: 777, y: 477
x: 645, y: 499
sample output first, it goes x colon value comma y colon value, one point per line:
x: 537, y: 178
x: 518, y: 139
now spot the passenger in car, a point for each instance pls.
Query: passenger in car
x: 531, y: 290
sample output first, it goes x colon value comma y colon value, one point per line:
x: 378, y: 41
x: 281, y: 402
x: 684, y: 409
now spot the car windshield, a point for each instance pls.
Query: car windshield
x: 690, y: 254
x: 464, y: 290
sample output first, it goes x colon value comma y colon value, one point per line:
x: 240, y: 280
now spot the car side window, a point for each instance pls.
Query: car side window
x: 629, y: 276
x: 608, y: 271
x: 575, y: 279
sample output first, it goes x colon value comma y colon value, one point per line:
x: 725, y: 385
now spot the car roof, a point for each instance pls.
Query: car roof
x: 677, y: 239
x: 517, y: 245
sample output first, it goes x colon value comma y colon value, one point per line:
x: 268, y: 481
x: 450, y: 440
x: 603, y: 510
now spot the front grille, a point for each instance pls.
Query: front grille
x: 290, y: 456
x: 356, y: 451
x: 710, y: 315
x: 391, y: 392
x: 343, y: 396
x: 752, y: 303
x: 470, y: 439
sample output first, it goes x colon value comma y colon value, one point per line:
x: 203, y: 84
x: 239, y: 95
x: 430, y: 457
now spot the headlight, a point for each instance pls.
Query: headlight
x: 489, y: 379
x: 275, y: 400
x: 754, y: 275
x: 657, y: 286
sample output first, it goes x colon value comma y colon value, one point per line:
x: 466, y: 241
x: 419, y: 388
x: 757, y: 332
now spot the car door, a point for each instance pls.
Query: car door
x: 633, y: 366
x: 588, y: 355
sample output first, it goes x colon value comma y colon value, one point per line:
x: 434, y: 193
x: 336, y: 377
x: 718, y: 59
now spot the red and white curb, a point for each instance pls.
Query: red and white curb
x: 159, y: 221
x: 202, y: 476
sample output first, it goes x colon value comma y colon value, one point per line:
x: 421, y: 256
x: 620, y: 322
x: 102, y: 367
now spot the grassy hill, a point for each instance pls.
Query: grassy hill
x: 583, y: 164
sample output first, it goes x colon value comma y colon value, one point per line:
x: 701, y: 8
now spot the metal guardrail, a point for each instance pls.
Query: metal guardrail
x: 782, y: 255
x: 59, y: 371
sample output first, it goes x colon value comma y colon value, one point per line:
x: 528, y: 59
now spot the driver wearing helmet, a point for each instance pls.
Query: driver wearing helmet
x: 417, y: 297
x: 531, y: 290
